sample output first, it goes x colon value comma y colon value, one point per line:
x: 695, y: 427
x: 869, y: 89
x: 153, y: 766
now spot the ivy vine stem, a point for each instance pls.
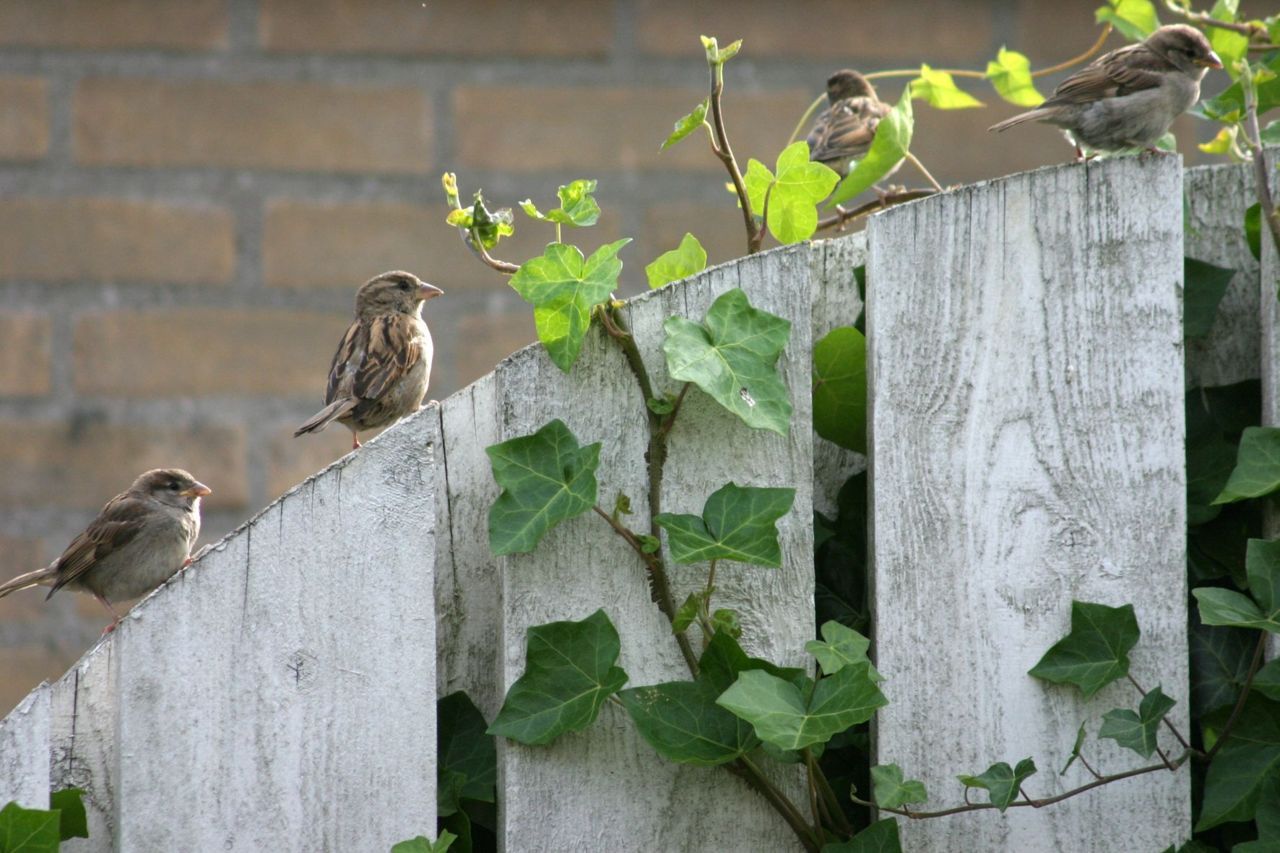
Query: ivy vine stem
x: 1254, y: 666
x: 747, y: 770
x: 838, y: 219
x: 1244, y: 28
x: 720, y: 147
x: 819, y: 780
x: 1253, y: 137
x: 1177, y: 734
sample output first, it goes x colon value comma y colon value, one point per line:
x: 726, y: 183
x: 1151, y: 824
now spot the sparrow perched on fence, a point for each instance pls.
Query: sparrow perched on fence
x: 137, y: 542
x: 845, y: 129
x: 380, y: 372
x: 1128, y: 98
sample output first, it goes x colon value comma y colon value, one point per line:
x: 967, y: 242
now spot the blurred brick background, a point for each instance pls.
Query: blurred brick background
x: 191, y: 191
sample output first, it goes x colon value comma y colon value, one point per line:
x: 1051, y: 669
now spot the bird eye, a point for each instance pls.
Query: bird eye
x: 173, y: 485
x: 404, y: 285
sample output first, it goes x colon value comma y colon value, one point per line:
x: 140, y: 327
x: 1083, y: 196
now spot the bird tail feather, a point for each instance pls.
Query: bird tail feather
x: 43, y: 576
x: 325, y: 416
x: 1032, y: 115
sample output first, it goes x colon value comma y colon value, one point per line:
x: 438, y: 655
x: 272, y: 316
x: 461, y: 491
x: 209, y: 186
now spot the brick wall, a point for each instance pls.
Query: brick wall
x: 191, y: 191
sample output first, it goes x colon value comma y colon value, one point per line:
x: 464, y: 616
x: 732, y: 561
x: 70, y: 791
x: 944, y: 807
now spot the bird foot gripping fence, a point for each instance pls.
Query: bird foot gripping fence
x: 1025, y: 410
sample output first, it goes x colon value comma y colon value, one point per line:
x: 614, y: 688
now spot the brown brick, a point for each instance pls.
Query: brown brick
x: 23, y: 668
x: 291, y: 460
x: 487, y: 338
x: 24, y: 117
x: 934, y: 30
x: 589, y: 128
x: 263, y: 125
x: 118, y: 24
x: 18, y: 555
x: 25, y: 336
x: 200, y: 351
x: 102, y: 239
x: 82, y: 466
x: 718, y: 228
x: 482, y: 28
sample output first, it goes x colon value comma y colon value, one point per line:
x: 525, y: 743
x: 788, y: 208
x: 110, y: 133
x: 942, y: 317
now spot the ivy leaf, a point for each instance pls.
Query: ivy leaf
x: 840, y: 388
x: 1136, y: 19
x: 687, y: 125
x: 732, y: 358
x: 1243, y: 766
x: 1001, y: 781
x: 879, y: 837
x: 1222, y: 142
x: 890, y: 145
x: 737, y: 524
x: 1228, y: 106
x: 578, y: 206
x: 725, y: 621
x: 467, y: 761
x: 1267, y: 681
x: 724, y: 659
x: 487, y: 227
x: 688, y: 611
x: 681, y: 262
x: 1228, y: 44
x: 1137, y: 731
x: 939, y: 89
x: 781, y: 715
x: 1253, y: 230
x: 422, y: 844
x: 681, y: 720
x: 28, y: 830
x: 563, y: 287
x: 1075, y: 750
x: 1010, y: 75
x: 841, y: 646
x: 569, y: 673
x: 1095, y: 653
x: 717, y: 55
x: 1257, y: 471
x: 72, y: 820
x: 757, y: 180
x: 894, y: 792
x: 1204, y: 287
x: 1270, y: 135
x: 799, y: 186
x: 1227, y: 607
x: 546, y: 478
x: 1219, y: 664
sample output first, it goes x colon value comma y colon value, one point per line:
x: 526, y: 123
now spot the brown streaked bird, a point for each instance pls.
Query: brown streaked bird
x: 1128, y: 98
x: 383, y: 364
x: 138, y: 541
x: 845, y: 129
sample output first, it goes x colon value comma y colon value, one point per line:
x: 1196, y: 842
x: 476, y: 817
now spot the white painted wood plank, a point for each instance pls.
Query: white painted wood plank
x: 24, y: 752
x: 1027, y: 449
x: 280, y: 694
x: 83, y: 744
x: 1269, y: 321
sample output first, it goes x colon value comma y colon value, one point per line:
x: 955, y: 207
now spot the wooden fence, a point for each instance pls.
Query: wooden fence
x: 1026, y: 419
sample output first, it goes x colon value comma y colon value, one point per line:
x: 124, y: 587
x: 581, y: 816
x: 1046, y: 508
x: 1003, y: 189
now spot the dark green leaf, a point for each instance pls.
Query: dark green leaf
x: 723, y: 659
x: 799, y: 185
x: 840, y: 388
x: 840, y: 646
x: 546, y: 478
x: 1075, y: 749
x: 725, y: 621
x: 1242, y: 766
x: 890, y: 145
x: 563, y: 287
x: 1136, y: 19
x: 1228, y: 607
x: 72, y: 821
x: 1137, y: 731
x: 681, y: 720
x: 879, y: 837
x: 1228, y: 107
x: 466, y: 760
x: 578, y: 206
x: 737, y: 523
x: 1002, y: 781
x: 687, y: 125
x: 28, y: 830
x: 1253, y: 230
x: 939, y: 89
x: 681, y: 262
x: 1205, y: 286
x: 1095, y: 653
x: 663, y: 406
x: 1270, y: 134
x: 569, y: 673
x: 422, y: 844
x: 1010, y: 74
x: 1219, y: 663
x: 688, y: 611
x: 1267, y: 681
x: 1268, y: 813
x: 458, y: 824
x: 733, y: 358
x: 892, y: 791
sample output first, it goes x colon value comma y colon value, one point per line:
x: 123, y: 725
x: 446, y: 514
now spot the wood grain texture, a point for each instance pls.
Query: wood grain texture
x: 24, y: 752
x: 1027, y: 449
x: 1269, y: 320
x: 605, y: 788
x: 83, y: 744
x: 280, y: 693
x: 1217, y: 197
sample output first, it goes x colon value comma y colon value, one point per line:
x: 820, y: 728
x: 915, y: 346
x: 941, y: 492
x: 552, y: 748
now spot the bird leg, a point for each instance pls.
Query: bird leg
x: 116, y: 616
x: 355, y: 440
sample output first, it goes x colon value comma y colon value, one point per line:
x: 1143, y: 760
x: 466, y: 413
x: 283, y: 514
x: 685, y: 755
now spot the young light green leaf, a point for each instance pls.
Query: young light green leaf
x: 717, y: 55
x: 546, y: 477
x: 486, y: 226
x: 563, y: 287
x: 1223, y: 142
x: 569, y: 673
x: 1001, y: 781
x: 725, y: 621
x: 1230, y: 45
x: 422, y: 844
x: 782, y: 717
x: 737, y: 523
x: 72, y: 820
x: 688, y: 611
x: 1095, y: 653
x: 799, y: 186
x: 1010, y: 75
x: 1204, y: 287
x: 939, y: 89
x: 1136, y: 19
x: 665, y: 406
x: 840, y: 646
x: 578, y: 206
x: 681, y: 720
x: 1257, y: 471
x: 840, y: 388
x: 891, y: 143
x: 1075, y: 749
x: 1243, y: 766
x: 28, y: 830
x: 733, y: 358
x: 681, y: 262
x: 466, y: 761
x: 1137, y: 731
x: 687, y: 125
x: 758, y: 179
x: 1228, y: 106
x: 892, y: 791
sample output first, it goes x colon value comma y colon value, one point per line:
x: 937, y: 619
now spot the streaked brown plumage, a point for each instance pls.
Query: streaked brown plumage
x: 138, y: 541
x: 845, y: 129
x: 382, y: 367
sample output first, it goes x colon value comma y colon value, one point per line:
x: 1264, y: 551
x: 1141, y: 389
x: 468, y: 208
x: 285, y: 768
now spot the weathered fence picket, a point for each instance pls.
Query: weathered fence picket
x: 24, y: 752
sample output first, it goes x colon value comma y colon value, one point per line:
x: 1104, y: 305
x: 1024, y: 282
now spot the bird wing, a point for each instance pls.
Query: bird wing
x: 393, y: 348
x: 1118, y: 73
x: 116, y: 526
x: 845, y: 129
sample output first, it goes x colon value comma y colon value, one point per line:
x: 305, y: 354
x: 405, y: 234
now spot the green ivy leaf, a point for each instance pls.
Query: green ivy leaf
x: 1010, y: 75
x: 687, y: 125
x: 563, y: 287
x: 1267, y: 815
x: 422, y: 844
x: 737, y: 523
x: 724, y: 659
x: 1228, y: 106
x: 1075, y: 750
x: 890, y: 145
x: 799, y: 186
x: 578, y: 206
x: 1243, y: 766
x: 1267, y: 681
x: 1137, y: 731
x: 467, y: 761
x: 667, y: 405
x: 781, y: 715
x: 1219, y: 664
x: 1227, y: 607
x: 939, y: 89
x: 681, y: 720
x: 1257, y: 471
x: 546, y: 478
x: 1001, y: 781
x: 725, y: 621
x: 757, y: 180
x: 681, y: 262
x: 840, y: 388
x: 733, y: 358
x: 879, y: 837
x: 687, y: 612
x: 1204, y: 287
x: 892, y: 791
x: 488, y: 227
x: 1253, y: 230
x: 1136, y: 19
x: 1095, y: 653
x: 28, y: 830
x: 1228, y: 44
x: 1270, y: 135
x: 841, y: 646
x: 569, y: 673
x: 717, y: 55
x: 72, y: 820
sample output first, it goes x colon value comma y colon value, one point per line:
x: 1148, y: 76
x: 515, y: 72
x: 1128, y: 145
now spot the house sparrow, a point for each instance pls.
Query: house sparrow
x: 844, y: 130
x: 381, y: 369
x: 137, y: 542
x: 1128, y: 98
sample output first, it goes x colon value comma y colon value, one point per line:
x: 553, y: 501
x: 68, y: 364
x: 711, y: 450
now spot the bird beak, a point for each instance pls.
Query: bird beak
x: 428, y: 291
x: 199, y: 490
x: 1210, y: 61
